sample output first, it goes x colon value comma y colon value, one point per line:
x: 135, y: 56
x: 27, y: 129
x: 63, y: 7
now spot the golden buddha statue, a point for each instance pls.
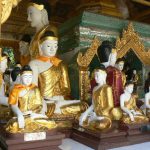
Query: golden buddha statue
x: 99, y: 115
x: 27, y: 104
x: 131, y: 113
x: 51, y: 75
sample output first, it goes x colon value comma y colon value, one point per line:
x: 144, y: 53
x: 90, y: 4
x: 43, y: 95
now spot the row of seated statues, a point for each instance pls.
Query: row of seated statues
x: 39, y: 94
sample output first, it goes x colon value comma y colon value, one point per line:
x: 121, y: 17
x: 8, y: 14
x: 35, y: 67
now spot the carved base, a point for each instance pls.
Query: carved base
x: 52, y: 141
x: 109, y: 139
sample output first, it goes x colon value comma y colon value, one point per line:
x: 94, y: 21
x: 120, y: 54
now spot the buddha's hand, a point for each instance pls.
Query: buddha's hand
x: 137, y: 113
x: 100, y: 118
x: 82, y: 119
x: 21, y: 121
x: 57, y: 98
x: 35, y: 115
x: 131, y: 116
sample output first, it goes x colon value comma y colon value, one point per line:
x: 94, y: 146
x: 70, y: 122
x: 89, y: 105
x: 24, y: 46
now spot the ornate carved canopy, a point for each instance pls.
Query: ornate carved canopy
x: 131, y: 40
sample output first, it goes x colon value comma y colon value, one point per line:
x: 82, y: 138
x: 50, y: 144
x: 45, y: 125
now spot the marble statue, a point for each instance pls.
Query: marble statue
x: 131, y: 113
x: 3, y: 67
x: 26, y: 103
x: 39, y: 13
x: 24, y: 49
x: 99, y: 115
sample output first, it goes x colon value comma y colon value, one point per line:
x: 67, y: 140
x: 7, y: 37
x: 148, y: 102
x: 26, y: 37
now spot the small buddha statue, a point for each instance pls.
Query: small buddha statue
x: 24, y: 49
x: 26, y: 103
x: 99, y: 115
x: 51, y: 75
x: 39, y: 14
x: 120, y: 65
x: 135, y: 79
x: 147, y: 103
x: 3, y: 67
x: 131, y: 113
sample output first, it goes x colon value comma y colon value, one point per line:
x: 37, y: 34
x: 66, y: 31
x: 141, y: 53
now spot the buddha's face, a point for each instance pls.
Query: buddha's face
x: 134, y: 71
x: 100, y: 76
x: 112, y: 58
x: 3, y: 65
x: 23, y: 46
x: 34, y: 16
x: 129, y: 88
x: 120, y: 66
x: 49, y: 48
x: 27, y: 78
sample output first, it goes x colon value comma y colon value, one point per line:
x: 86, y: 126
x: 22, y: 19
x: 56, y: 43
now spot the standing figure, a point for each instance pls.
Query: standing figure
x: 24, y: 49
x: 131, y: 113
x: 51, y: 75
x: 98, y: 116
x: 27, y: 104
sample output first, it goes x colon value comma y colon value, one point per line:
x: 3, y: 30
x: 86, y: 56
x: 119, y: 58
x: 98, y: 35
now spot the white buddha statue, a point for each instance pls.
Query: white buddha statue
x: 3, y: 67
x: 99, y: 115
x: 39, y: 13
x: 27, y: 104
x: 131, y: 113
x: 147, y: 103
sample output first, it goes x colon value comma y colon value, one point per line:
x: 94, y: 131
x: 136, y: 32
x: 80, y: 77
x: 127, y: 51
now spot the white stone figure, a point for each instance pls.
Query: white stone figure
x: 24, y: 88
x: 100, y: 79
x: 131, y: 113
x: 3, y: 67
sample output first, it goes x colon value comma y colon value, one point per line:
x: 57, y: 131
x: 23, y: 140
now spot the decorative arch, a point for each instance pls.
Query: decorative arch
x: 131, y: 40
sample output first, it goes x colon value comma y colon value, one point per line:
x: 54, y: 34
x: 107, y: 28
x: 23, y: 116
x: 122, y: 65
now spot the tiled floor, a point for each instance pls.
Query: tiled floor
x: 69, y: 144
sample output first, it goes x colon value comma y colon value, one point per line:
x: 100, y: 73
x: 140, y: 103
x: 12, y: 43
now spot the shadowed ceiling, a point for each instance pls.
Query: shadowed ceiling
x: 62, y: 10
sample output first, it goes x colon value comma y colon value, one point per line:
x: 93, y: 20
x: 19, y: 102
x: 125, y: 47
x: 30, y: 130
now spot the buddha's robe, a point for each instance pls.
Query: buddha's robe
x: 24, y: 60
x: 114, y: 79
x: 131, y: 105
x: 31, y: 101
x: 103, y: 105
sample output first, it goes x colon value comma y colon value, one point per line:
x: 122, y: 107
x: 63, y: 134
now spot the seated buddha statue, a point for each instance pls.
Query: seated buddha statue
x: 99, y: 115
x: 147, y: 103
x: 5, y: 112
x: 108, y: 57
x: 51, y: 75
x: 131, y: 113
x: 26, y: 103
x: 24, y: 49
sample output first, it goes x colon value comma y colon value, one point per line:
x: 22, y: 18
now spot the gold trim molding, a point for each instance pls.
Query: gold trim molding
x: 83, y: 63
x: 131, y: 40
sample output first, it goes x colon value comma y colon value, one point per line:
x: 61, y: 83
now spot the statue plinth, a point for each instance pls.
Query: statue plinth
x: 110, y: 139
x: 49, y: 139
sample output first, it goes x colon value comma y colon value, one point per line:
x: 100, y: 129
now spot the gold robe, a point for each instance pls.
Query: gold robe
x: 131, y: 105
x: 148, y: 111
x: 54, y: 81
x: 123, y: 78
x: 103, y: 105
x: 31, y: 101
